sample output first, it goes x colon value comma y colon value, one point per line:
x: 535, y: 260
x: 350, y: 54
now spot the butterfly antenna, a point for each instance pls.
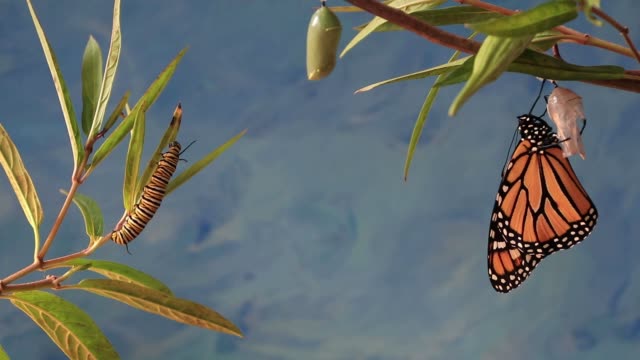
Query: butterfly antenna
x: 538, y: 97
x: 506, y: 161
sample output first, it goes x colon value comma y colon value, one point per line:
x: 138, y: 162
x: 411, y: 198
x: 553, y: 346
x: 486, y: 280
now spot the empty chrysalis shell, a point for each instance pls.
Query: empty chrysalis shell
x: 565, y: 109
x: 323, y: 37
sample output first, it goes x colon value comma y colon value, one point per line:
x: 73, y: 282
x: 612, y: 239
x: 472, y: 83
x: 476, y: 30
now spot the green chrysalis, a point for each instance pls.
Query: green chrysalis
x: 323, y: 37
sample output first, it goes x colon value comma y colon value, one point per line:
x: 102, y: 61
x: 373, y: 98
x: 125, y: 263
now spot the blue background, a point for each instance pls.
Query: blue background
x: 304, y: 233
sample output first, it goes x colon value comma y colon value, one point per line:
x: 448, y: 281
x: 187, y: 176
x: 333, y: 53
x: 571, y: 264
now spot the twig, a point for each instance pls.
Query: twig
x: 624, y: 31
x: 418, y: 27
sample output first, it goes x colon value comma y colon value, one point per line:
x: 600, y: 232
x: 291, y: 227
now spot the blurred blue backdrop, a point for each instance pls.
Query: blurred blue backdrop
x: 304, y: 233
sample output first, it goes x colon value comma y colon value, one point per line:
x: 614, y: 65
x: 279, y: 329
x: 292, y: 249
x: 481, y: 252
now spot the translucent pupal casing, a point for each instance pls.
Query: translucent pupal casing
x: 565, y: 109
x: 323, y: 37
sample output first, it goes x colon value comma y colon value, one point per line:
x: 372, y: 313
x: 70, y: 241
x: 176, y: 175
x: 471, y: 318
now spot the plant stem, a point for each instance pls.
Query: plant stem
x: 29, y: 285
x: 624, y: 31
x: 56, y: 225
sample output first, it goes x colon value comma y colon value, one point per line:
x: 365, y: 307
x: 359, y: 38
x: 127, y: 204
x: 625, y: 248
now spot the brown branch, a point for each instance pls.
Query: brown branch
x: 49, y: 281
x: 624, y: 31
x: 418, y: 27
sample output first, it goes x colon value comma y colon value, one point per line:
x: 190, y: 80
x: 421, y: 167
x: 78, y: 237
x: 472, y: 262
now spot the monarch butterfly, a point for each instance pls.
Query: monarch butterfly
x: 323, y: 36
x: 565, y: 109
x: 151, y: 198
x: 541, y: 207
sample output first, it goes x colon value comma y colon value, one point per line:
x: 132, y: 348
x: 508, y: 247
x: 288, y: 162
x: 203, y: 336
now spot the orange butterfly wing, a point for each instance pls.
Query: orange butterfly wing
x: 541, y: 207
x: 508, y: 266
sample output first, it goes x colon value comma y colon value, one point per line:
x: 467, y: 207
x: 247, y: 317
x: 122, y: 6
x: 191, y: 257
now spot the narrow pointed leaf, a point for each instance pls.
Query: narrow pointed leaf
x: 91, y: 82
x: 121, y: 272
x: 457, y: 75
x: 440, y: 17
x: 3, y: 354
x: 110, y: 70
x: 75, y: 333
x: 437, y: 70
x: 540, y: 18
x: 91, y: 213
x: 132, y: 165
x: 422, y: 118
x: 117, y: 111
x: 493, y: 58
x: 159, y: 303
x: 417, y: 128
x: 169, y: 135
x: 20, y: 181
x: 202, y: 163
x: 149, y: 97
x: 62, y: 91
x: 548, y: 67
x: 378, y: 21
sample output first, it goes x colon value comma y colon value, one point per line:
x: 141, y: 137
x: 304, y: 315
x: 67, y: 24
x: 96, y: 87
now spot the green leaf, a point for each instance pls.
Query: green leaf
x: 202, y: 163
x: 457, y: 75
x: 169, y: 135
x: 543, y: 66
x: 121, y: 272
x: 417, y: 128
x: 75, y: 333
x: 544, y: 40
x: 440, y: 17
x: 493, y: 58
x: 132, y: 165
x: 21, y: 182
x: 91, y: 213
x: 548, y: 67
x: 587, y: 5
x: 149, y: 97
x: 91, y: 81
x: 61, y: 89
x: 117, y: 111
x: 378, y: 21
x: 437, y: 70
x: 110, y: 70
x: 3, y: 354
x: 424, y: 112
x: 159, y: 303
x: 542, y: 17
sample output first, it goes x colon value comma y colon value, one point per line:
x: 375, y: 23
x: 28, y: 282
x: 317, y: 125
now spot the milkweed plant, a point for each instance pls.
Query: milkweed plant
x: 526, y: 41
x: 92, y: 138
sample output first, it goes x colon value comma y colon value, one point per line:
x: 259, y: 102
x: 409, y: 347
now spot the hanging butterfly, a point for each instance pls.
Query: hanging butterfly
x: 540, y: 208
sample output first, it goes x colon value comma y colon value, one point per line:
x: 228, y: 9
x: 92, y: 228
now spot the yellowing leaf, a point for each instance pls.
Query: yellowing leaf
x: 75, y: 333
x: 121, y: 272
x: 20, y: 181
x: 61, y: 89
x: 159, y: 303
